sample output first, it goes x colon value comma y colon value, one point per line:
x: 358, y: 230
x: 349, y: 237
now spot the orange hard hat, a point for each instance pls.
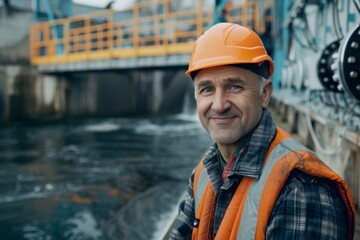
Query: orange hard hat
x: 230, y: 44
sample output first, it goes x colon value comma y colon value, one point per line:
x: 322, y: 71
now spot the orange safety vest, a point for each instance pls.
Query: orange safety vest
x: 254, y: 199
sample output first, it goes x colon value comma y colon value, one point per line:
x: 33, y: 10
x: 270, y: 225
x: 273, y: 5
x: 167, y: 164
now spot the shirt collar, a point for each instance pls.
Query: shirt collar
x: 251, y: 161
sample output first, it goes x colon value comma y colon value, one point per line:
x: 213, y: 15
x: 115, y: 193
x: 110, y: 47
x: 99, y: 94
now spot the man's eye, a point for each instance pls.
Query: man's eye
x: 206, y: 90
x: 235, y: 87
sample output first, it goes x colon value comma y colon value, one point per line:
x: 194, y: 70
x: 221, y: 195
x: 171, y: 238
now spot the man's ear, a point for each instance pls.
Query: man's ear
x: 267, y: 92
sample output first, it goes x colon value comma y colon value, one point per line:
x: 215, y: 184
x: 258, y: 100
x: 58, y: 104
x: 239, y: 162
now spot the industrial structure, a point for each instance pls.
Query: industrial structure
x: 151, y: 34
x: 134, y: 59
x: 316, y: 55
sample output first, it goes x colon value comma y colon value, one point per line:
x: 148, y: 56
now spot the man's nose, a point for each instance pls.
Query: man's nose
x: 220, y: 102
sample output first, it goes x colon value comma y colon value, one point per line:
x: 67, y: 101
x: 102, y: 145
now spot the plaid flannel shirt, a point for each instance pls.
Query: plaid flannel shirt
x: 307, y: 207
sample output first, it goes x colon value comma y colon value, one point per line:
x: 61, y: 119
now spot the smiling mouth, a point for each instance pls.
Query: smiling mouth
x: 223, y: 120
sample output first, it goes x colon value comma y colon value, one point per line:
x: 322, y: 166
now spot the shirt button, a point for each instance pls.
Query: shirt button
x: 196, y: 223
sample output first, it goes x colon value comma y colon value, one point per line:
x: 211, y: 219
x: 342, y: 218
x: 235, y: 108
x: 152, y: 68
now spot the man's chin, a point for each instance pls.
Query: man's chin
x: 225, y: 140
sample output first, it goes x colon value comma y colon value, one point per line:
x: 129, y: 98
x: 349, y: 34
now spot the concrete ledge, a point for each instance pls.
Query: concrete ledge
x: 110, y: 64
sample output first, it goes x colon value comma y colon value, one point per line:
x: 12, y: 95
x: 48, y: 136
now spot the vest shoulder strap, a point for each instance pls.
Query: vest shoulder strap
x: 201, y: 179
x: 247, y: 228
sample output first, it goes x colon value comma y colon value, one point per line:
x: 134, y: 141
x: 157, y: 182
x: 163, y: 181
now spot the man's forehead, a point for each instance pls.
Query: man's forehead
x: 235, y: 79
x: 226, y: 69
x: 226, y: 74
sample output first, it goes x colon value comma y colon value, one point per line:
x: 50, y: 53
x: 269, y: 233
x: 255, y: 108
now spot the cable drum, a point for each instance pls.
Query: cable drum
x: 325, y: 71
x: 349, y: 63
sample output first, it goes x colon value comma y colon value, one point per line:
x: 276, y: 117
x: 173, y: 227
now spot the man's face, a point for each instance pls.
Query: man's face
x: 229, y: 102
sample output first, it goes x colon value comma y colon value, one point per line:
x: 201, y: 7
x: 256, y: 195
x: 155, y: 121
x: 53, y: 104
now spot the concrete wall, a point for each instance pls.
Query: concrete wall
x: 132, y: 92
x: 25, y: 94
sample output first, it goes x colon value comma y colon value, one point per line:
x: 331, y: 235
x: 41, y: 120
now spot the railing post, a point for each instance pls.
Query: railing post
x: 165, y: 21
x: 199, y: 18
x: 157, y: 30
x: 245, y: 14
x: 119, y: 35
x: 257, y: 26
x: 110, y: 31
x: 66, y: 36
x: 48, y: 40
x: 87, y: 32
x: 136, y: 28
x: 99, y: 35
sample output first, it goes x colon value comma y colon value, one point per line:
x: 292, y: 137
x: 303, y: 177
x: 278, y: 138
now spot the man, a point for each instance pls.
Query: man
x: 255, y: 182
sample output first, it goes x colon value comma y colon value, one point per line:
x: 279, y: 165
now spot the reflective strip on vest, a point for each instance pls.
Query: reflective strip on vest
x: 250, y: 213
x: 200, y: 187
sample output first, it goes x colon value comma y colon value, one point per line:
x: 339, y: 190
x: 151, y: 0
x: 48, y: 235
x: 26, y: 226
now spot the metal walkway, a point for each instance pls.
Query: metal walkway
x: 151, y: 34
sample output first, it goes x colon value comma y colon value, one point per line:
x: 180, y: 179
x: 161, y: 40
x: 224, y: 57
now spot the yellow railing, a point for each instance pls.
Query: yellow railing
x: 148, y: 29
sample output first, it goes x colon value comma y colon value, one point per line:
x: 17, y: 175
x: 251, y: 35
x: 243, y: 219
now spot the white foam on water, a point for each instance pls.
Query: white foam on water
x: 39, y: 192
x: 155, y: 129
x: 83, y: 226
x: 102, y: 127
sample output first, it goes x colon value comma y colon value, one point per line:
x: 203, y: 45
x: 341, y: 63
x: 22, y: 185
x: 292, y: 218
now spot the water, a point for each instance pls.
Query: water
x: 95, y: 178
